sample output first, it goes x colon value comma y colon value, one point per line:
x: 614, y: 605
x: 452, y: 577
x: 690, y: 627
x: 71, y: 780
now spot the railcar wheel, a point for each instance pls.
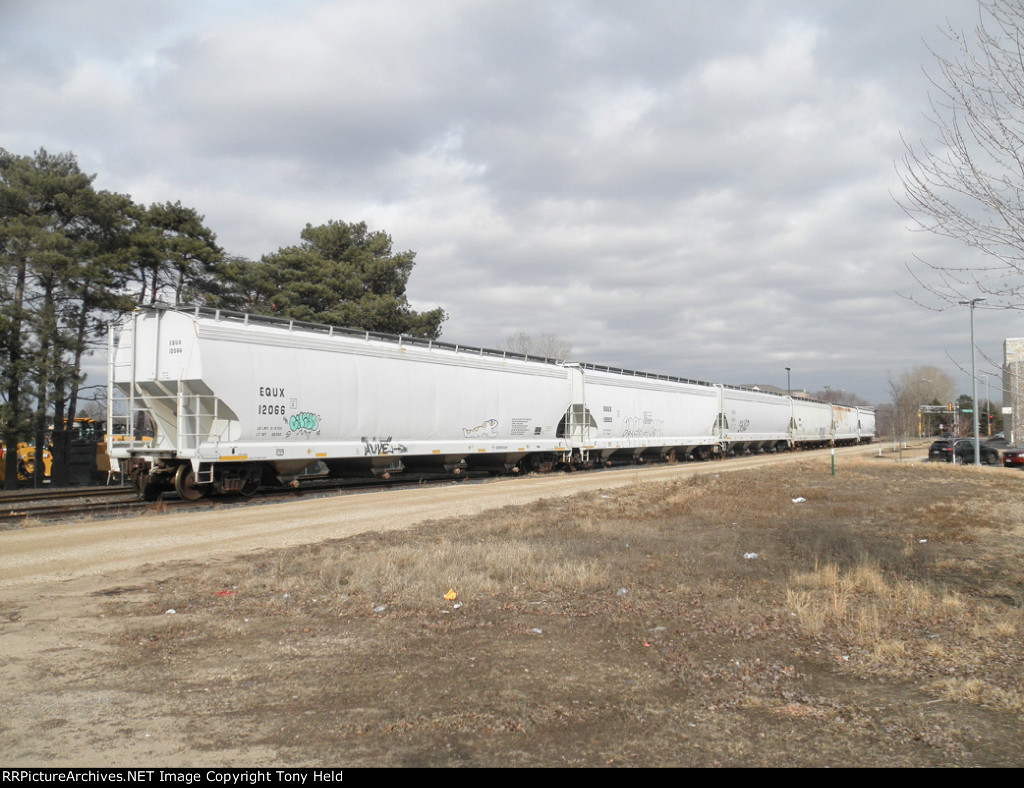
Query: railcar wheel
x: 249, y: 488
x: 185, y: 484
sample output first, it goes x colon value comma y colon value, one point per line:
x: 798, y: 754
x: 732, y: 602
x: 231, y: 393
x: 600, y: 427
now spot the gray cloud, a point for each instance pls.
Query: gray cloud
x: 670, y: 185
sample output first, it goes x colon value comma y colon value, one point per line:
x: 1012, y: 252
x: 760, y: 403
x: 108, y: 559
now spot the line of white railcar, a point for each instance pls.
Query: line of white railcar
x: 237, y: 400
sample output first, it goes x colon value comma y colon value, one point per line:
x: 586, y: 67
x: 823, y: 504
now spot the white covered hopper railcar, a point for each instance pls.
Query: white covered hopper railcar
x: 756, y: 420
x: 237, y: 400
x: 865, y: 425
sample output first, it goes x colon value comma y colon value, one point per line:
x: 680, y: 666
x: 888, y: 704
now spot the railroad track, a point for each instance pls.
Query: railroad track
x: 15, y: 497
x: 47, y: 506
x: 19, y: 506
x: 51, y: 506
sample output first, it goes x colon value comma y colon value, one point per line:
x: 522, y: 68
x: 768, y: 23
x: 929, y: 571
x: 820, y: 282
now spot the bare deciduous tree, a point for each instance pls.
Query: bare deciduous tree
x: 968, y: 184
x: 839, y: 396
x: 545, y: 345
x: 914, y: 388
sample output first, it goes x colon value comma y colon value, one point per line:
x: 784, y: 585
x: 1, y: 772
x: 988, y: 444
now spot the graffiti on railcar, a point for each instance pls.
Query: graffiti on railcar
x: 304, y: 423
x: 489, y: 429
x: 376, y: 446
x: 643, y: 427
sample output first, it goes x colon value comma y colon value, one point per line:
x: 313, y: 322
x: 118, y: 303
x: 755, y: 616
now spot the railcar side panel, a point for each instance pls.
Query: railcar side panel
x: 755, y: 417
x: 640, y: 413
x: 812, y: 422
x: 845, y: 426
x: 866, y: 425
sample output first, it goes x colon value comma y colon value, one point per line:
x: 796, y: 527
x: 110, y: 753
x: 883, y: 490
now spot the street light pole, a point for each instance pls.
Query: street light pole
x: 974, y: 381
x: 988, y: 403
x: 920, y: 417
x: 789, y: 384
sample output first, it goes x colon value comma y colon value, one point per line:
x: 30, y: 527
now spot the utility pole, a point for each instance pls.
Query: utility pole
x: 974, y: 381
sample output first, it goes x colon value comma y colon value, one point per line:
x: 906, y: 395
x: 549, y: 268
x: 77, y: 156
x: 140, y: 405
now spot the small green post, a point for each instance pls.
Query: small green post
x: 833, y: 462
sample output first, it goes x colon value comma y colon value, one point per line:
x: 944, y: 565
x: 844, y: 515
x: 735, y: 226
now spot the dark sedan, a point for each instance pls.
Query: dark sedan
x: 964, y: 451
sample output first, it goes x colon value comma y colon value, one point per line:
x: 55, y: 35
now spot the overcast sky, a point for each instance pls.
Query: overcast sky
x: 682, y: 186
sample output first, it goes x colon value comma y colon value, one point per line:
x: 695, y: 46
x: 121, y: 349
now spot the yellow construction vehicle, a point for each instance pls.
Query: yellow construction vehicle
x: 26, y: 462
x: 88, y: 462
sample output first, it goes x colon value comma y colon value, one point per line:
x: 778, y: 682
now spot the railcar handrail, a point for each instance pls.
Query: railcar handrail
x: 400, y: 339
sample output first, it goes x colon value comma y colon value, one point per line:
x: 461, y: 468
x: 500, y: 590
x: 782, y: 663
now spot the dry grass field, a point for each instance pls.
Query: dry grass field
x: 714, y: 621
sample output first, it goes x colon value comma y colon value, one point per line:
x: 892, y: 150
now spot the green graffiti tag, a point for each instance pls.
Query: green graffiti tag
x: 303, y: 421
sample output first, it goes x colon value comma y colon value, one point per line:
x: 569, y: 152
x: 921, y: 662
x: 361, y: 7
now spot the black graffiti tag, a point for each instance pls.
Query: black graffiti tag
x: 376, y: 446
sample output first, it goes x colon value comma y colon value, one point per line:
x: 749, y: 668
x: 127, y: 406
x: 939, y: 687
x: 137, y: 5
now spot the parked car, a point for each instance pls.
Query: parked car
x: 941, y: 451
x: 1014, y: 457
x: 963, y: 450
